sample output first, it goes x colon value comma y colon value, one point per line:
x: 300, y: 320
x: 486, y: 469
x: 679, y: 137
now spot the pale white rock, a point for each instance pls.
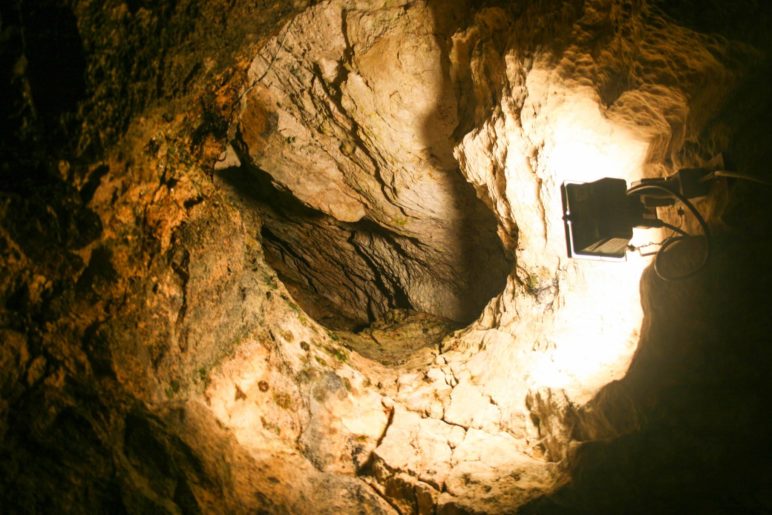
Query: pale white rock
x: 372, y: 112
x: 419, y: 446
x: 435, y: 375
x: 354, y: 117
x: 366, y: 418
x: 471, y: 407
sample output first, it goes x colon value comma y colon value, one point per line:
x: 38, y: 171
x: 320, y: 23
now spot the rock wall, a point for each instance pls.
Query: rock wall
x: 191, y: 232
x: 351, y: 111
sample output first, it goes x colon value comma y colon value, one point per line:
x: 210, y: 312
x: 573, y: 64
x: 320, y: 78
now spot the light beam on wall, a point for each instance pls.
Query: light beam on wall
x: 595, y: 327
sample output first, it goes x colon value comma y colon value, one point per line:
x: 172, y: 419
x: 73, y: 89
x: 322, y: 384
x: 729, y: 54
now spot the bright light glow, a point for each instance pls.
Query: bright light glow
x: 585, y: 146
x: 595, y: 332
x: 591, y: 336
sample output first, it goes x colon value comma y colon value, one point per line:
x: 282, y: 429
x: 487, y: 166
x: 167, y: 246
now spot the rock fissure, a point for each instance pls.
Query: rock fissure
x: 456, y: 424
x: 387, y: 499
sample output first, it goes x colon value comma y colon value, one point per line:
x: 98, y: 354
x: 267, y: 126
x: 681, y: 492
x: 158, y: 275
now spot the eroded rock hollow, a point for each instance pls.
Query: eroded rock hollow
x: 355, y: 126
x: 310, y: 258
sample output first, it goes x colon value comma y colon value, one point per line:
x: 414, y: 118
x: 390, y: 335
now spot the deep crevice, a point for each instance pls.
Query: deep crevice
x: 347, y: 275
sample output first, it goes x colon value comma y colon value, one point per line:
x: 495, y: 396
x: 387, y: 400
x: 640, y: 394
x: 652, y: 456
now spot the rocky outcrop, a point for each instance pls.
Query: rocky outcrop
x: 350, y: 110
x: 309, y: 258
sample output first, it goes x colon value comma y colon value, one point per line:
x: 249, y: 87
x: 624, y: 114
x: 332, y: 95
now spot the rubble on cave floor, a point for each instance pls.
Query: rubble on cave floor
x: 396, y: 338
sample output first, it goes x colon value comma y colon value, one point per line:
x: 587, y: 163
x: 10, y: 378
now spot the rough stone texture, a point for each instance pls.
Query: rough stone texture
x: 349, y: 109
x: 397, y: 163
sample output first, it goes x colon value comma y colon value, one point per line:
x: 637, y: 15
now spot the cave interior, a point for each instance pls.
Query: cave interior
x: 309, y: 257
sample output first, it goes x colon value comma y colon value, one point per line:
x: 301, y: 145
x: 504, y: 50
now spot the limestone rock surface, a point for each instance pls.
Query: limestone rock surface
x: 308, y: 257
x: 350, y: 109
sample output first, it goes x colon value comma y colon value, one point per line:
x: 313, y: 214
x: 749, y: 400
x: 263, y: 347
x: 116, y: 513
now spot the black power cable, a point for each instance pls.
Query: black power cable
x: 669, y: 242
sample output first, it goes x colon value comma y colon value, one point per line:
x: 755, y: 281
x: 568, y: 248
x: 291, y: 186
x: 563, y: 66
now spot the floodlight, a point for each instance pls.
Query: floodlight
x: 599, y: 216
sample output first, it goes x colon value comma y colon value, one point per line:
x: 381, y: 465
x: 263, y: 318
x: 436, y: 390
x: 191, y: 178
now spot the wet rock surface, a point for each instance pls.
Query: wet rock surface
x: 306, y: 258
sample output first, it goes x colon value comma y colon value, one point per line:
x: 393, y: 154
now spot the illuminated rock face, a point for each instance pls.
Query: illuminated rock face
x: 350, y: 111
x: 181, y: 306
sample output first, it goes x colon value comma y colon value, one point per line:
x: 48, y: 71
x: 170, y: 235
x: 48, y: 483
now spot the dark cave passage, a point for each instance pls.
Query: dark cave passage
x: 347, y: 275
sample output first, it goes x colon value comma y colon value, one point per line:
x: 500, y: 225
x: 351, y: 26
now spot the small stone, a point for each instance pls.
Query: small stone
x: 387, y: 402
x: 435, y: 375
x: 408, y: 379
x: 436, y: 410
